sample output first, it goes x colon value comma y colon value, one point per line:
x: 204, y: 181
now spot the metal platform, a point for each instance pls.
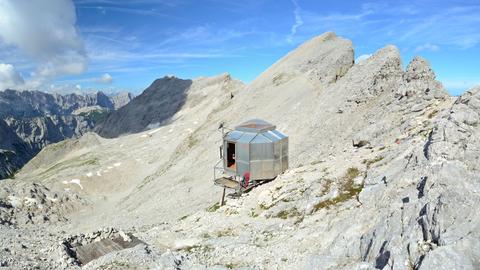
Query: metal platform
x: 227, y: 183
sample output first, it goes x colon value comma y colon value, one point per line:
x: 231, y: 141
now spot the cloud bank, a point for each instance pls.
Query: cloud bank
x: 9, y: 77
x: 45, y: 32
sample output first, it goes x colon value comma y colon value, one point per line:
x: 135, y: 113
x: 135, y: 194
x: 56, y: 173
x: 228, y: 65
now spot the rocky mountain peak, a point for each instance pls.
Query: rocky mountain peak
x: 322, y: 59
x: 165, y: 83
x: 121, y: 99
x: 420, y: 80
x: 386, y: 56
x: 419, y: 69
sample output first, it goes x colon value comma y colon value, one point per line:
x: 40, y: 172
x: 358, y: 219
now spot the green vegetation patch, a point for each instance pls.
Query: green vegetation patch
x: 206, y: 236
x: 225, y: 232
x: 233, y: 265
x: 348, y: 190
x: 58, y: 146
x: 192, y: 141
x: 117, y: 265
x: 253, y: 213
x: 288, y: 213
x: 432, y: 114
x: 370, y: 162
x: 198, y: 249
x: 213, y: 208
x: 95, y: 116
x: 71, y: 163
x: 183, y: 218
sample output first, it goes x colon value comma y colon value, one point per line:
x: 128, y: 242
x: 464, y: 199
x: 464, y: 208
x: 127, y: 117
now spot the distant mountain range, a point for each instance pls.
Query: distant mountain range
x: 30, y: 120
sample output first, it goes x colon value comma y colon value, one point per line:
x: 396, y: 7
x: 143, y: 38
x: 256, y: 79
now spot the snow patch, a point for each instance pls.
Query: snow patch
x: 185, y: 243
x: 52, y: 199
x: 153, y: 125
x: 15, y: 201
x: 154, y: 131
x: 73, y: 181
x: 30, y: 201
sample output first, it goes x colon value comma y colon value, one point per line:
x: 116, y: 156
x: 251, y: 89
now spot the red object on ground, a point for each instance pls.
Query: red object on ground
x: 246, y: 179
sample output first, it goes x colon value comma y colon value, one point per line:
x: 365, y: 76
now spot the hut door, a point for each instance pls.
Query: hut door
x: 231, y: 155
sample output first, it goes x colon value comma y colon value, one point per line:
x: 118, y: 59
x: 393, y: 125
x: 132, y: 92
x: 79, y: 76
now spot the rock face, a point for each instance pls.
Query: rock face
x: 30, y: 120
x: 121, y: 99
x: 155, y: 106
x: 384, y: 172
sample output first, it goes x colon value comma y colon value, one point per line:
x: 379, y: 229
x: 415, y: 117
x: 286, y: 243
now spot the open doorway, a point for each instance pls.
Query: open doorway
x: 231, y: 155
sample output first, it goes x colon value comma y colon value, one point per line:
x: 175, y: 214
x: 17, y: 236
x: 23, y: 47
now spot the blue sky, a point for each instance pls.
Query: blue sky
x: 125, y: 45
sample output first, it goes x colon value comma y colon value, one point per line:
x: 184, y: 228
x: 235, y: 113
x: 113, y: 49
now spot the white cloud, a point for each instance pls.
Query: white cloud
x: 45, y: 31
x: 9, y: 77
x: 105, y: 78
x: 298, y: 21
x: 65, y: 88
x: 427, y: 47
x: 362, y: 58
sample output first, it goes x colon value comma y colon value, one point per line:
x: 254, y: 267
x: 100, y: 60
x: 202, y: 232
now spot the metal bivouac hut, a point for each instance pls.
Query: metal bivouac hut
x: 253, y: 152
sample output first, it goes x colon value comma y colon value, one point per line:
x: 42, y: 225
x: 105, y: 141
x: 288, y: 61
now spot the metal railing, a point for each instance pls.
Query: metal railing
x: 218, y: 168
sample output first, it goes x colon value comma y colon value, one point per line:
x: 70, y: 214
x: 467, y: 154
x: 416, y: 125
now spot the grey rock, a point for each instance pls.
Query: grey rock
x: 121, y: 99
x: 420, y: 80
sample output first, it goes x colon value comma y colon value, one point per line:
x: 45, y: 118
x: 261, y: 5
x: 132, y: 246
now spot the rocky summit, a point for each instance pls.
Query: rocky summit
x: 384, y: 174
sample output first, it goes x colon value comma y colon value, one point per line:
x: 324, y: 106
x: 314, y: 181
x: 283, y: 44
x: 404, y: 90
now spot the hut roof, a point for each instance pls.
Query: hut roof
x: 255, y: 125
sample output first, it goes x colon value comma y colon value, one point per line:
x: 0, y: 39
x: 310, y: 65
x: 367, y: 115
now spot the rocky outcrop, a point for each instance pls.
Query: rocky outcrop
x: 33, y: 203
x: 420, y: 80
x: 121, y: 99
x: 81, y: 249
x: 12, y: 150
